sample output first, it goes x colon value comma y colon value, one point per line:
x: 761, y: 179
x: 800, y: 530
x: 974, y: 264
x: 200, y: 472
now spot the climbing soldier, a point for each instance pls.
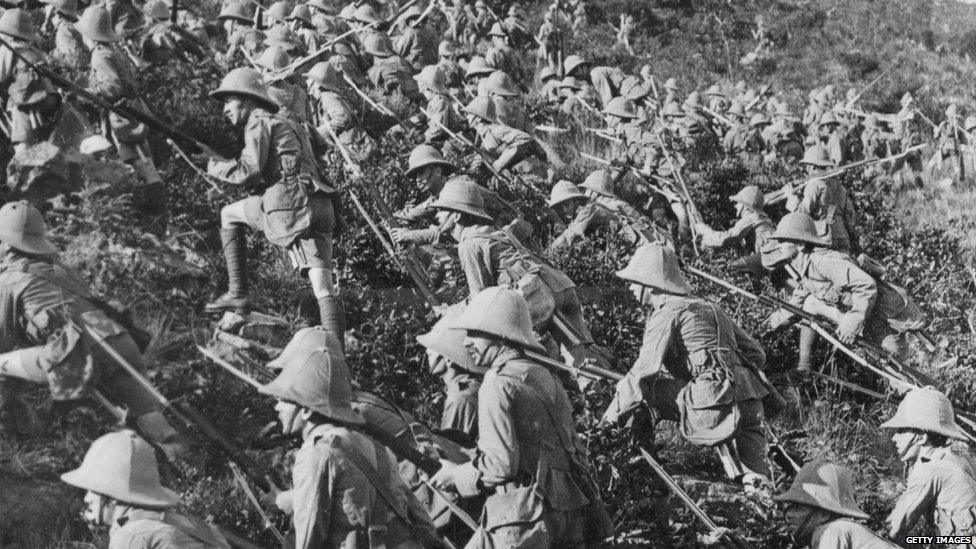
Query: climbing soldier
x: 440, y: 108
x: 513, y: 149
x: 530, y: 460
x: 697, y: 367
x: 330, y: 108
x: 753, y: 229
x: 827, y: 201
x: 124, y: 494
x: 163, y: 40
x: 292, y: 206
x: 69, y: 47
x: 54, y: 332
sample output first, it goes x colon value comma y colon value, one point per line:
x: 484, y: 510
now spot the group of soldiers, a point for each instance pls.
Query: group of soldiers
x: 507, y: 442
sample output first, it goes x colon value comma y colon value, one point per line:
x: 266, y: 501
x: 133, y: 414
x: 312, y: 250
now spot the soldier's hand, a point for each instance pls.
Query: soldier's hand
x: 398, y: 234
x: 444, y: 478
x: 780, y: 318
x: 848, y: 328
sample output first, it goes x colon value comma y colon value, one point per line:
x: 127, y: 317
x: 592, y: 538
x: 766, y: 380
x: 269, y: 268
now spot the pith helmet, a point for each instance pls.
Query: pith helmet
x: 377, y: 45
x: 22, y: 227
x: 502, y: 313
x: 656, y: 266
x: 621, y: 107
x: 500, y: 83
x: 432, y: 78
x: 564, y: 191
x: 600, y: 182
x: 95, y: 24
x: 445, y: 48
x: 413, y: 12
x: 829, y: 119
x: 245, y: 82
x: 365, y: 14
x: 671, y: 84
x: 926, y: 409
x: 817, y: 155
x: 758, y: 120
x: 314, y: 375
x: 714, y: 91
x: 322, y: 6
x: 301, y: 13
x: 478, y: 67
x: 324, y: 75
x: 826, y: 486
x: 461, y: 194
x: 67, y: 8
x: 572, y: 62
x: 547, y: 73
x: 449, y: 343
x: 281, y: 36
x: 496, y: 30
x: 799, y: 227
x: 158, y: 10
x: 273, y: 59
x: 483, y: 107
x: 348, y: 12
x: 424, y: 155
x: 277, y: 11
x: 571, y: 83
x: 783, y: 111
x: 122, y: 466
x: 750, y: 196
x: 235, y: 11
x: 970, y: 123
x: 18, y: 24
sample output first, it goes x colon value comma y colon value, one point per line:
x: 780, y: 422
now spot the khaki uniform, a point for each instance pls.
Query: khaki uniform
x: 829, y: 204
x: 941, y: 489
x: 384, y: 415
x: 453, y: 73
x: 743, y: 140
x: 529, y: 460
x: 498, y: 138
x: 126, y: 18
x: 28, y: 124
x: 147, y: 529
x: 292, y: 101
x: 504, y: 58
x: 847, y: 534
x: 44, y: 313
x: 753, y: 229
x: 511, y: 113
x: 69, y: 48
x: 332, y: 109
x: 291, y: 204
x: 441, y: 109
x: 335, y: 504
x: 633, y: 227
x: 161, y: 43
x: 415, y: 46
x: 612, y: 82
x: 392, y: 73
x: 683, y: 337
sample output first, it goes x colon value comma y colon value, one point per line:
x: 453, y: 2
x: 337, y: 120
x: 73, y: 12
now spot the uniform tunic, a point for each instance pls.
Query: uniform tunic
x: 847, y: 534
x: 335, y: 503
x: 333, y: 110
x: 633, y: 228
x: 754, y: 228
x: 504, y: 58
x: 19, y: 81
x: 440, y: 108
x: 392, y: 73
x: 684, y: 336
x: 510, y: 113
x: 827, y: 201
x: 146, y: 529
x: 941, y: 488
x: 69, y: 48
x: 529, y: 460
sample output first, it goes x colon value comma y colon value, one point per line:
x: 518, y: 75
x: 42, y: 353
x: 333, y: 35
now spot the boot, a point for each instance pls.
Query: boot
x: 155, y: 428
x: 333, y: 318
x: 235, y: 253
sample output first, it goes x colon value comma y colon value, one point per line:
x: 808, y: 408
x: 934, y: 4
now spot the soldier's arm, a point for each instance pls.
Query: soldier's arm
x: 577, y: 228
x: 916, y: 501
x: 658, y: 335
x: 312, y: 477
x: 715, y: 239
x: 498, y: 446
x: 339, y: 115
x: 247, y: 169
x: 812, y: 199
x: 439, y: 111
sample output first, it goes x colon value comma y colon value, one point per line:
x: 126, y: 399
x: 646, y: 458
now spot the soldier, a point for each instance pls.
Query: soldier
x: 832, y: 285
x: 514, y: 149
x: 440, y: 107
x: 276, y: 15
x: 507, y: 99
x: 516, y: 27
x: 667, y: 212
x: 291, y: 98
x: 51, y: 328
x: 125, y: 18
x: 301, y: 24
x: 819, y: 507
x: 345, y: 487
x: 827, y: 201
x: 446, y: 62
x: 112, y: 77
x: 162, y: 41
x: 242, y: 39
x: 584, y: 216
x: 330, y: 108
x: 284, y: 37
x: 753, y: 229
x: 529, y: 460
x: 475, y: 75
x: 292, y: 206
x: 415, y: 43
x: 491, y: 256
x: 69, y: 47
x: 32, y: 103
x: 693, y: 358
x: 549, y: 81
x: 389, y: 72
x: 448, y: 358
x: 500, y: 55
x: 124, y: 494
x: 941, y: 488
x: 830, y: 137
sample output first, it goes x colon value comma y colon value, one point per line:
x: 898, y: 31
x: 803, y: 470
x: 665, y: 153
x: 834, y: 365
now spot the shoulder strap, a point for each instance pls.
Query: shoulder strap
x: 59, y: 279
x: 359, y: 460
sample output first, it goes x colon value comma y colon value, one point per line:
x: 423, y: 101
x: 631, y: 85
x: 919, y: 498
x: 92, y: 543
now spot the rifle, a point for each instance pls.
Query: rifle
x: 191, y: 416
x: 847, y: 384
x: 871, y: 84
x: 732, y: 539
x: 670, y: 193
x: 379, y: 107
x: 779, y: 195
x: 762, y: 91
x: 897, y: 373
x: 600, y: 133
x: 717, y: 116
x: 502, y: 25
x: 241, y: 482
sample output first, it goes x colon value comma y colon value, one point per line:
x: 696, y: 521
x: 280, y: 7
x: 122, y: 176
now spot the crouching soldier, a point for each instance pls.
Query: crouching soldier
x: 513, y: 149
x: 831, y: 284
x: 941, y: 486
x: 330, y: 108
x: 291, y: 204
x: 696, y: 366
x: 124, y: 494
x: 53, y: 331
x: 346, y: 489
x: 753, y: 229
x: 821, y: 509
x: 530, y: 460
x: 492, y: 257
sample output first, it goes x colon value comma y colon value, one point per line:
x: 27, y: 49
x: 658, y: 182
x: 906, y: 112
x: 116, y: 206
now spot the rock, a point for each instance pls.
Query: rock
x: 113, y: 175
x: 40, y: 172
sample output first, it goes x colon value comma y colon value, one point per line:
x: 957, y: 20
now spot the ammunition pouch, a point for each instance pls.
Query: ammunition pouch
x: 709, y: 411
